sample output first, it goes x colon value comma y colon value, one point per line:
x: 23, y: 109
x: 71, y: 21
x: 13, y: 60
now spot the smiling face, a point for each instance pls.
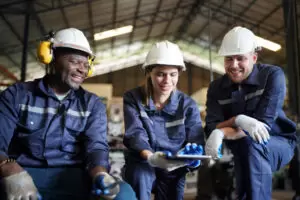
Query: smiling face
x: 71, y: 68
x: 239, y: 67
x: 164, y: 79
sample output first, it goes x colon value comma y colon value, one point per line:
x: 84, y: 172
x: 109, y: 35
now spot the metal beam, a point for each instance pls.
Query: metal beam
x: 182, y: 10
x: 114, y: 19
x: 235, y: 18
x: 8, y: 73
x: 158, y: 5
x: 15, y: 32
x: 213, y: 16
x: 62, y: 10
x: 91, y: 21
x: 38, y: 21
x: 136, y: 12
x: 25, y: 40
x: 173, y: 15
x: 189, y: 18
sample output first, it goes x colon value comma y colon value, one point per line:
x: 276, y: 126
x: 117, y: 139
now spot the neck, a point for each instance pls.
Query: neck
x: 57, y: 86
x: 160, y: 100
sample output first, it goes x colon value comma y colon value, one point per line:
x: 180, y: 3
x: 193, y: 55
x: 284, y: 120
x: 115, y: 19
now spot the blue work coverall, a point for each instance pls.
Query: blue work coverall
x: 260, y: 96
x: 168, y: 129
x: 55, y: 141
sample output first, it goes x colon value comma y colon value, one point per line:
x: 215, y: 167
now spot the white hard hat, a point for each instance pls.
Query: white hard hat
x: 164, y: 53
x: 237, y: 41
x: 72, y: 38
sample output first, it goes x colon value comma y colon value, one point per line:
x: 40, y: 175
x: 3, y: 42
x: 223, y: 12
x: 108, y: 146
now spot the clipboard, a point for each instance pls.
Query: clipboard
x: 188, y: 157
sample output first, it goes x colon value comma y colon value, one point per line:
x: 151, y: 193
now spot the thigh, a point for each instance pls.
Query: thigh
x: 126, y: 192
x: 141, y: 177
x: 61, y: 183
x: 280, y: 152
x: 170, y: 185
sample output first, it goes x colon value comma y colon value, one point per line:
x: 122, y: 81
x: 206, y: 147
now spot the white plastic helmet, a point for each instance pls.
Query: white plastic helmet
x: 238, y: 41
x: 72, y: 38
x: 164, y: 53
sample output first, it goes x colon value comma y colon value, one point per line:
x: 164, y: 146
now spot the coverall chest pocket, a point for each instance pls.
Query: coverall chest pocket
x: 32, y: 124
x: 74, y: 127
x: 251, y: 105
x: 176, y: 129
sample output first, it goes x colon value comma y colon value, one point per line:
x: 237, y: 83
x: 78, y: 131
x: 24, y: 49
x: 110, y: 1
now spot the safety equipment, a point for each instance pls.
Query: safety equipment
x: 192, y: 149
x: 254, y: 128
x: 20, y: 186
x: 67, y: 38
x: 105, y: 186
x: 164, y: 53
x: 214, y: 142
x: 238, y: 41
x: 158, y: 159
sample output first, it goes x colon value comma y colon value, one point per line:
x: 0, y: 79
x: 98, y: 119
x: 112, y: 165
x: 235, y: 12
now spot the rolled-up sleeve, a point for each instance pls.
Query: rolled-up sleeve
x: 136, y: 137
x: 97, y: 149
x: 193, y: 124
x: 214, y: 114
x: 272, y: 98
x: 8, y: 117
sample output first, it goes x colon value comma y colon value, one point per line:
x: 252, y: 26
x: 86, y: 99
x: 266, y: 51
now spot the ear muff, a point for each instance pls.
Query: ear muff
x: 44, y: 52
x: 91, y: 63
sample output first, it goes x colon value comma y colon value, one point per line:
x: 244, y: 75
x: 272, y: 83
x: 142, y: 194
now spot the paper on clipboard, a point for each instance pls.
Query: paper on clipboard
x: 189, y: 157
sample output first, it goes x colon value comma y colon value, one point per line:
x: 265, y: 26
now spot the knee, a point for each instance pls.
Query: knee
x: 126, y: 192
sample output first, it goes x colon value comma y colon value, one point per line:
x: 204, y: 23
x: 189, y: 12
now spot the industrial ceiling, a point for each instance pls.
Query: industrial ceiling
x: 196, y: 25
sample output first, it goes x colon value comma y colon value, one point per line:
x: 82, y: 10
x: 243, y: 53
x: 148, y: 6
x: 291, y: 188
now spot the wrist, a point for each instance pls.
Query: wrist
x: 9, y: 169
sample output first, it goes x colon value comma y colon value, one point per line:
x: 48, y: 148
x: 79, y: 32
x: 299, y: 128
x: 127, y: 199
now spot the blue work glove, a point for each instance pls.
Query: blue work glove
x: 105, y: 186
x: 192, y: 149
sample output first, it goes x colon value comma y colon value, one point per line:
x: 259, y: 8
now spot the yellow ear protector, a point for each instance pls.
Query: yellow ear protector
x: 45, y: 54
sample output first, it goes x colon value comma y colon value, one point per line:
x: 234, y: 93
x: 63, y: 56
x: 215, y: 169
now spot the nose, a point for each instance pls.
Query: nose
x: 167, y: 78
x: 235, y: 63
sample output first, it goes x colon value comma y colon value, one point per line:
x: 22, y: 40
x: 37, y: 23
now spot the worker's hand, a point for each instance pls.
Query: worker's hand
x: 105, y: 186
x: 213, y: 145
x: 20, y: 186
x: 158, y: 159
x: 192, y: 149
x: 257, y: 130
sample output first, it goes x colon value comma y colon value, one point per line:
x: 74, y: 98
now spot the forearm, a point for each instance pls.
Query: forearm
x: 145, y: 154
x: 96, y: 170
x: 232, y: 133
x: 10, y: 169
x: 226, y: 124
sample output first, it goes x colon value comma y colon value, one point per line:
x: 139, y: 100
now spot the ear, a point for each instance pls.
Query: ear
x: 254, y: 57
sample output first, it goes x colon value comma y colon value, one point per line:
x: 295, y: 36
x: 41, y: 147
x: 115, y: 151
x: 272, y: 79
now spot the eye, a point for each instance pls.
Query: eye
x: 159, y: 74
x: 174, y: 74
x: 228, y: 59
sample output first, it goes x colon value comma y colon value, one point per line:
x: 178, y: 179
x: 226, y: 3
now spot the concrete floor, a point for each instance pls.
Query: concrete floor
x: 277, y: 195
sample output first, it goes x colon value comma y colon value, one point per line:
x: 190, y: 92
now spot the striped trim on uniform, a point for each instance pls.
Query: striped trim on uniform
x: 40, y: 110
x: 175, y: 123
x: 254, y: 94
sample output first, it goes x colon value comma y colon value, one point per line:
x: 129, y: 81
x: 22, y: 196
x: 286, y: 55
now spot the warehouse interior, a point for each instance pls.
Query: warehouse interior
x: 197, y: 26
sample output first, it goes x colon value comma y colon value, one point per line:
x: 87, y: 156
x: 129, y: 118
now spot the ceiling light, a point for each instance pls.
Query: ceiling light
x: 113, y: 32
x: 268, y: 44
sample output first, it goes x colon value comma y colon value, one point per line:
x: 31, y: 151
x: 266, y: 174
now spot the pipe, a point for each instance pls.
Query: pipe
x: 8, y: 73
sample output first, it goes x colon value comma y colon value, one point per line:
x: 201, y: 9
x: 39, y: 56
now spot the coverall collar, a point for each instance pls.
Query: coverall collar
x: 170, y: 108
x: 252, y: 79
x: 44, y: 88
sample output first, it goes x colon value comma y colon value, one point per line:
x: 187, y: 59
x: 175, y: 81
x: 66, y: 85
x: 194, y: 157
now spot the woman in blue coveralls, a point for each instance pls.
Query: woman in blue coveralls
x: 245, y: 107
x: 160, y: 118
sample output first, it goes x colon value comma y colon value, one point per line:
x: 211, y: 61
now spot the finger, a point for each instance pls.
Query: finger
x: 200, y: 149
x: 258, y: 137
x: 264, y: 134
x: 97, y: 192
x: 187, y: 147
x: 194, y: 146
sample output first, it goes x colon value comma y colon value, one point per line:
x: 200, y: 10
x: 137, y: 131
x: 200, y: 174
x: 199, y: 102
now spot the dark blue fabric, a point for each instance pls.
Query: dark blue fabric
x: 69, y: 184
x: 168, y: 129
x: 145, y: 179
x: 254, y: 164
x: 43, y: 131
x: 260, y: 96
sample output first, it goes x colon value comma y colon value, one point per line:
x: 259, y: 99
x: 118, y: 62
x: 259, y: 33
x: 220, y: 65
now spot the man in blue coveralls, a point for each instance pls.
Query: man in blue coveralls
x: 244, y: 107
x: 53, y: 132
